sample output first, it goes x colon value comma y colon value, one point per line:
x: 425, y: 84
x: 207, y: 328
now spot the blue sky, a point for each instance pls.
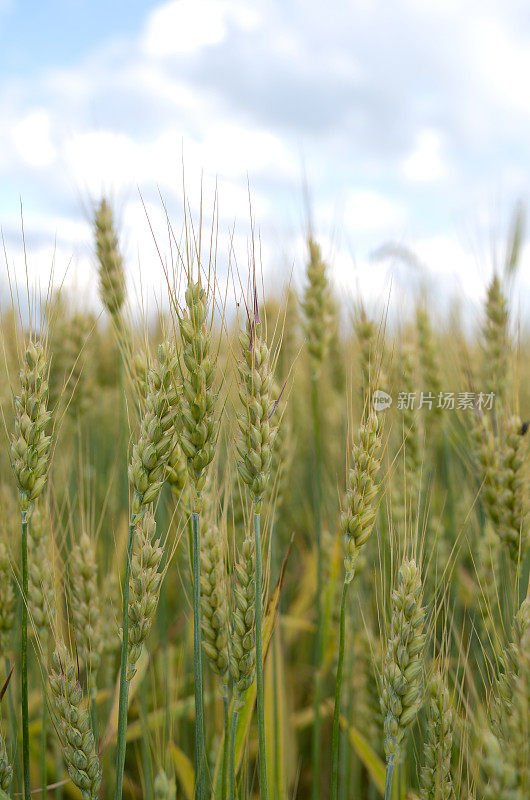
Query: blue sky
x: 410, y: 122
x: 39, y: 35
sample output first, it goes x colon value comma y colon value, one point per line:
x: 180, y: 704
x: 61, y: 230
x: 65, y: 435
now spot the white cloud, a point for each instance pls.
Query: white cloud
x: 32, y: 139
x: 183, y: 27
x: 452, y: 266
x: 373, y: 212
x: 98, y: 159
x: 426, y: 162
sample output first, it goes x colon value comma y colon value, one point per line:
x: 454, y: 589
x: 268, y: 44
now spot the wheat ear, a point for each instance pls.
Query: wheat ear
x: 30, y: 452
x: 401, y: 695
x: 436, y: 781
x: 111, y: 272
x: 74, y: 726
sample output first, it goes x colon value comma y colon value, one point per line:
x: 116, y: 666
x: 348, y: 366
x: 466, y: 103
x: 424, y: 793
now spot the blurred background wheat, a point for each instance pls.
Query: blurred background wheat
x: 207, y: 483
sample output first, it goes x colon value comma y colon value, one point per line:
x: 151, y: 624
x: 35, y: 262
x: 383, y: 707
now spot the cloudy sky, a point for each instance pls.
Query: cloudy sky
x: 409, y: 122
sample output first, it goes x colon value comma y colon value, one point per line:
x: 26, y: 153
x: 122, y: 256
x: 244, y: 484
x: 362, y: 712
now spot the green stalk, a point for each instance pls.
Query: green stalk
x: 24, y: 659
x: 318, y: 638
x: 345, y: 760
x: 276, y: 645
x: 259, y: 662
x: 200, y: 772
x: 276, y: 712
x: 231, y: 795
x: 225, y: 745
x: 338, y: 690
x: 121, y: 741
x: 13, y: 724
x: 389, y: 776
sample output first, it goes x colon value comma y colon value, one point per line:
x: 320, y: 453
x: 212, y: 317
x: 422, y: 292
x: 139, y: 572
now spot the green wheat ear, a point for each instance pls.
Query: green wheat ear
x: 198, y: 432
x: 30, y: 444
x: 496, y: 341
x: 40, y: 577
x: 85, y: 604
x: 73, y: 724
x: 111, y: 272
x: 436, y: 780
x: 242, y: 653
x: 357, y: 519
x: 150, y: 455
x: 256, y: 426
x: 317, y: 307
x: 510, y: 712
x: 402, y: 695
x: 214, y: 602
x: 144, y: 587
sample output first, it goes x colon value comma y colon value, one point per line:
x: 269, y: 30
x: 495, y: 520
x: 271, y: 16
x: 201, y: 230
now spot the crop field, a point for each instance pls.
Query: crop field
x: 262, y: 545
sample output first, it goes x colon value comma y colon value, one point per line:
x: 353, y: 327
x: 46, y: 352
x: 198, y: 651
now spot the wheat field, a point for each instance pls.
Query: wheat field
x: 260, y: 547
